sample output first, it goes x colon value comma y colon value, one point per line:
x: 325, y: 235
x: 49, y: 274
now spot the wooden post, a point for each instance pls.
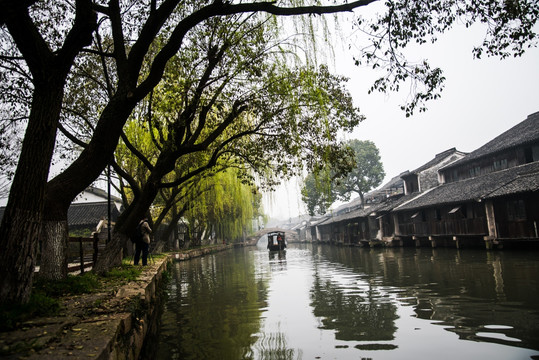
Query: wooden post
x: 96, y: 249
x: 381, y: 227
x: 456, y: 240
x: 432, y: 241
x: 491, y: 225
x: 491, y: 219
x: 396, y: 230
x: 81, y: 254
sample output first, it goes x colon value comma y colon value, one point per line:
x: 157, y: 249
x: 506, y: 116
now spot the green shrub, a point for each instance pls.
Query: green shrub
x: 124, y: 272
x: 72, y: 285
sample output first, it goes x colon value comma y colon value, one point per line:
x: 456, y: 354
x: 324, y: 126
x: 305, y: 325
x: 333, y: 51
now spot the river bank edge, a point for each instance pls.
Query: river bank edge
x: 109, y: 324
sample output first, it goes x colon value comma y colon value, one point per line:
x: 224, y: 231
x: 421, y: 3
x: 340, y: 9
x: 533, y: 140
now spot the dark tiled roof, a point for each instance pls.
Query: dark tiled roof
x: 321, y: 221
x: 359, y: 213
x: 370, y: 208
x: 522, y: 183
x: 90, y: 213
x: 519, y: 179
x: 349, y: 206
x: 84, y: 213
x: 353, y: 205
x: 393, y: 203
x: 351, y: 215
x: 393, y: 183
x: 523, y: 133
x: 437, y: 159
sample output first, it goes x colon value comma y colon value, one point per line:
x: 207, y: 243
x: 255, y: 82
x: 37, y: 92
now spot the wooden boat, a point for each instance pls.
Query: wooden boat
x: 276, y: 241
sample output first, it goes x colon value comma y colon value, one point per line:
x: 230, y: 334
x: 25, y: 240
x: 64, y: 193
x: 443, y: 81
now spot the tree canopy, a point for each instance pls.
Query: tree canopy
x: 317, y: 192
x: 367, y: 173
x: 238, y: 106
x: 364, y: 172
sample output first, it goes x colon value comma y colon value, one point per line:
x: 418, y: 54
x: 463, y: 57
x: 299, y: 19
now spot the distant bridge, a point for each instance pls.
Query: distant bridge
x: 289, y: 235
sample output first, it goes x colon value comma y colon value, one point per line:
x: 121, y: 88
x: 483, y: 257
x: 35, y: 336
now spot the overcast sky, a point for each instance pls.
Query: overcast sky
x: 482, y: 98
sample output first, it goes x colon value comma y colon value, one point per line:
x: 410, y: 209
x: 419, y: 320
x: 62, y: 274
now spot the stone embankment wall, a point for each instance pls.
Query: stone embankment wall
x: 189, y: 254
x: 110, y: 325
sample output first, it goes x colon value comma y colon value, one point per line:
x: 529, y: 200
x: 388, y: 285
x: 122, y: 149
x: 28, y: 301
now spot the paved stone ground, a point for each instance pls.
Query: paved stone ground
x: 87, y: 324
x: 110, y: 324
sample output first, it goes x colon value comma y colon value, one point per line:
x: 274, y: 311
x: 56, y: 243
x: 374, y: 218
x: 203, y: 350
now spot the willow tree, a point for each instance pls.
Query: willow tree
x: 33, y: 46
x: 227, y: 210
x: 48, y: 55
x: 239, y: 106
x: 219, y: 198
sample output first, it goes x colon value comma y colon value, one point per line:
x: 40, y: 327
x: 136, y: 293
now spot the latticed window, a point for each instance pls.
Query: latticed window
x: 475, y: 171
x: 500, y: 164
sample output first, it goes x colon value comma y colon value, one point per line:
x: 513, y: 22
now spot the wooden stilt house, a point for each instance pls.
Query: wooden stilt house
x: 490, y: 195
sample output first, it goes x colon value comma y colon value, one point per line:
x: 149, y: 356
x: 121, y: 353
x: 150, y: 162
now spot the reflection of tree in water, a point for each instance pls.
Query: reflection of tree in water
x: 273, y: 346
x: 353, y: 316
x: 214, y: 310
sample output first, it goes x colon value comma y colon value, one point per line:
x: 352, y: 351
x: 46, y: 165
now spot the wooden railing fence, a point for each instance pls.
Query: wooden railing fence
x: 83, y: 264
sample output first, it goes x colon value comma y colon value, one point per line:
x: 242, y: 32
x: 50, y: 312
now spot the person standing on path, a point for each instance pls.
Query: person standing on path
x: 142, y: 244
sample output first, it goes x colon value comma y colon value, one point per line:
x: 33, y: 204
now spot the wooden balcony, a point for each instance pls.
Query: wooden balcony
x: 449, y: 227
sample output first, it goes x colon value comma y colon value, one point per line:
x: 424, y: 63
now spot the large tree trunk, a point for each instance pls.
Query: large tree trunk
x: 171, y: 230
x: 82, y: 172
x: 112, y: 255
x: 55, y: 238
x: 54, y: 250
x: 19, y: 233
x: 21, y: 224
x: 168, y: 238
x: 125, y: 226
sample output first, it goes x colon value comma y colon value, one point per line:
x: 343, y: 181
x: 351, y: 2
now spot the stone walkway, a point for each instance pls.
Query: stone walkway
x: 110, y: 324
x: 100, y: 325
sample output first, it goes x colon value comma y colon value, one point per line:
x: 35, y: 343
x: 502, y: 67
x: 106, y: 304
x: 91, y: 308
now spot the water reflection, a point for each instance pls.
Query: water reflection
x: 272, y: 346
x: 213, y: 309
x: 352, y: 306
x: 277, y: 260
x: 349, y: 303
x: 479, y: 295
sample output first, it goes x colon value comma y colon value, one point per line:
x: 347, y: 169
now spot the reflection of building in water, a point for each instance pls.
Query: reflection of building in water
x: 481, y: 296
x: 498, y: 278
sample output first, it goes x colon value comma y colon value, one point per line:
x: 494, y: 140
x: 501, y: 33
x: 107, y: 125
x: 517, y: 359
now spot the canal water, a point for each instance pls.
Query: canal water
x: 326, y: 302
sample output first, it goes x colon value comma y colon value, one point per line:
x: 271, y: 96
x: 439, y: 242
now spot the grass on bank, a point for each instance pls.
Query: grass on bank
x: 46, y: 295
